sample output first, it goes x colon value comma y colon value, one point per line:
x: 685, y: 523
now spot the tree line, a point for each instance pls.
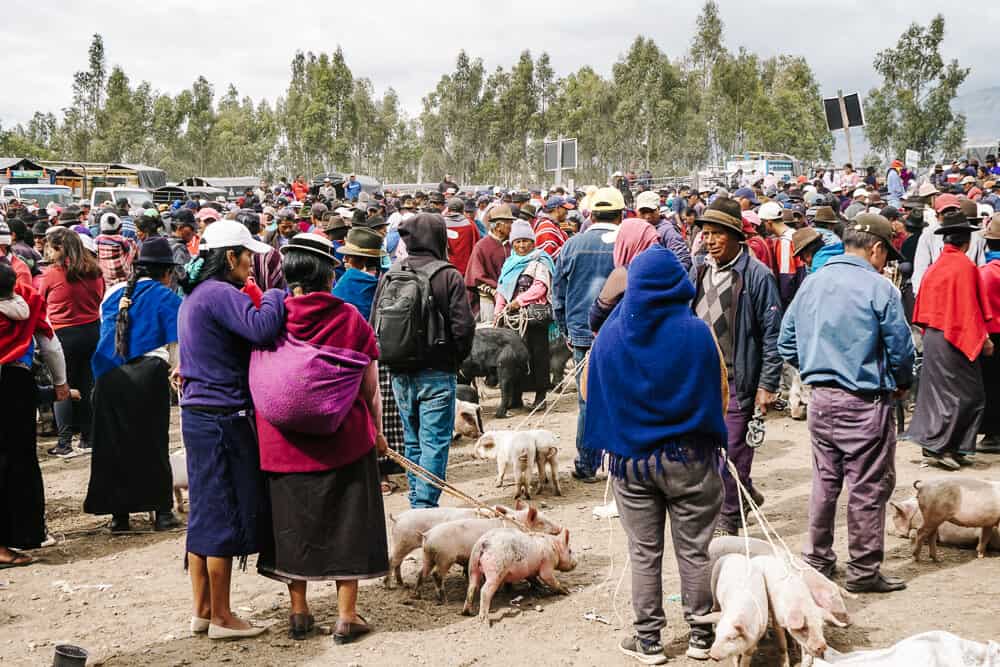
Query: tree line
x: 668, y: 115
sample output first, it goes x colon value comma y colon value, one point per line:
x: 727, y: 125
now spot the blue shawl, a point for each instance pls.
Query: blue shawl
x: 515, y: 265
x: 358, y: 289
x: 152, y: 323
x: 654, y: 383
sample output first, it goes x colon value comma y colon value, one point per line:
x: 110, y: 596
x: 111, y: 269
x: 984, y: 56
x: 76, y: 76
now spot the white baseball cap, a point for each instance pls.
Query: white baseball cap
x: 647, y: 199
x: 769, y: 211
x: 860, y: 192
x: 231, y: 234
x: 88, y: 242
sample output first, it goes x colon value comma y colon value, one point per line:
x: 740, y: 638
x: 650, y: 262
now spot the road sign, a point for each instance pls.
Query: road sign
x: 912, y: 159
x: 560, y: 154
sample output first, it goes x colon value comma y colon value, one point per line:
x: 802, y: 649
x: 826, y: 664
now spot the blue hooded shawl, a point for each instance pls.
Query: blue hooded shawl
x: 152, y: 323
x: 654, y: 384
x: 358, y: 289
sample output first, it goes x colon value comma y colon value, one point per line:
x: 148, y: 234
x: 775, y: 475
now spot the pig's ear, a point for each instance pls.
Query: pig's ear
x: 796, y: 619
x: 519, y: 504
x: 532, y: 514
x: 501, y: 509
x: 739, y: 628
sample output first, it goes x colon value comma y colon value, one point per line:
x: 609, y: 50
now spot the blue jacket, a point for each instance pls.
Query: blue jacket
x: 352, y: 189
x: 671, y: 239
x: 846, y: 326
x: 755, y: 322
x: 894, y: 184
x: 583, y: 265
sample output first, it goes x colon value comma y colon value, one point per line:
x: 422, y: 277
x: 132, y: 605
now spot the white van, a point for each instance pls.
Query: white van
x: 136, y: 196
x: 41, y: 193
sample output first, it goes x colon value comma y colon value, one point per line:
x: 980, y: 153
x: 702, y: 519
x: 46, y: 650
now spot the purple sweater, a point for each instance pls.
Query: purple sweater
x: 216, y: 326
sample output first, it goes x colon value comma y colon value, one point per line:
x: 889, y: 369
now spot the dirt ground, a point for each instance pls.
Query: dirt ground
x: 126, y: 599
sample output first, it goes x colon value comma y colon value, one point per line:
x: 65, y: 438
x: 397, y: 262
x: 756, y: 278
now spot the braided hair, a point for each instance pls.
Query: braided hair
x: 153, y: 271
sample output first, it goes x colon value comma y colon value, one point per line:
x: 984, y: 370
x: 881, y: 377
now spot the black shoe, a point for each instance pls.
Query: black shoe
x: 877, y: 584
x: 166, y: 521
x: 699, y: 646
x: 964, y: 460
x: 120, y: 524
x: 84, y: 443
x: 944, y: 461
x: 724, y: 531
x: 60, y: 451
x: 586, y: 478
x: 648, y: 653
x: 828, y: 571
x: 989, y: 445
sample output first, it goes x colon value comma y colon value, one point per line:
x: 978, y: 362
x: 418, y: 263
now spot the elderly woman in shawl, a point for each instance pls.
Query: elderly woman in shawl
x: 319, y: 421
x: 525, y: 288
x: 634, y: 236
x: 655, y: 410
x: 130, y: 469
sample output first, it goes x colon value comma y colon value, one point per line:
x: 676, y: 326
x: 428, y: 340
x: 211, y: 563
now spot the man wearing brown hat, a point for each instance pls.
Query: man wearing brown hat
x: 737, y: 297
x: 487, y: 259
x: 362, y: 253
x: 846, y: 333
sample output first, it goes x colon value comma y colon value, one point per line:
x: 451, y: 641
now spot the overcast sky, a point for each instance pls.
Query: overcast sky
x: 408, y: 44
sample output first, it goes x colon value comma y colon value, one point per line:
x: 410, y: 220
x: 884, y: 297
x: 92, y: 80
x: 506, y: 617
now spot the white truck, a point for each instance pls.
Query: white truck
x: 136, y: 196
x: 40, y: 193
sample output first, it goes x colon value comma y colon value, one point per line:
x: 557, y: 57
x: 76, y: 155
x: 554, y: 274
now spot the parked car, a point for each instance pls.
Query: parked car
x: 136, y: 196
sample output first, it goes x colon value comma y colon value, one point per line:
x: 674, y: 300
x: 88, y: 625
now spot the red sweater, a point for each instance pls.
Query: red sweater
x: 460, y: 247
x: 991, y: 281
x: 71, y: 303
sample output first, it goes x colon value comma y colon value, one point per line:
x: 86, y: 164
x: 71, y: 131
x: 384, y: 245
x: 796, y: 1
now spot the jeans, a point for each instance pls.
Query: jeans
x: 426, y: 402
x: 582, y: 467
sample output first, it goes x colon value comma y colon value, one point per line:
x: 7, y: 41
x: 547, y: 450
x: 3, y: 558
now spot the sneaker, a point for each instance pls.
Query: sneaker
x: 60, y: 451
x: 648, y: 653
x: 940, y: 460
x: 699, y: 646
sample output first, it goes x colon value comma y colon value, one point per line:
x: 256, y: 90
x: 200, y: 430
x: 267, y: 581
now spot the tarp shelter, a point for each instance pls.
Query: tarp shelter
x: 233, y: 186
x: 71, y: 179
x: 169, y: 193
x: 147, y: 177
x: 22, y: 170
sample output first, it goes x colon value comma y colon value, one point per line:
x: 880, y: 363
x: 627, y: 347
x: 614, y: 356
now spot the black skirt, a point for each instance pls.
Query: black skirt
x: 22, y: 495
x: 991, y: 382
x: 327, y: 525
x: 130, y: 468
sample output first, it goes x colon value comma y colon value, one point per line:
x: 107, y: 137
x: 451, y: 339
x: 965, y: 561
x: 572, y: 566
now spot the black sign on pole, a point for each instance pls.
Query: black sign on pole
x: 551, y: 155
x: 568, y: 154
x: 852, y: 109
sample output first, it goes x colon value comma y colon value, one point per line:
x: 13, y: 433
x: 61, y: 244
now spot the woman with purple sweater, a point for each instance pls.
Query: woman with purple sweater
x: 217, y: 325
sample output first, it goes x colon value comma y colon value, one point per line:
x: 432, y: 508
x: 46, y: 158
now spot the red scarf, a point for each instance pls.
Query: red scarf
x: 15, y: 335
x: 952, y: 298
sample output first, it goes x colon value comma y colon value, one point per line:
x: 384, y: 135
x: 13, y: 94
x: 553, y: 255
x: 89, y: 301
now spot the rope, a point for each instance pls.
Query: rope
x: 551, y: 404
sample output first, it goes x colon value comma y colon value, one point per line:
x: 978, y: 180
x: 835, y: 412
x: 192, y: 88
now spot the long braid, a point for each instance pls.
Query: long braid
x: 122, y: 321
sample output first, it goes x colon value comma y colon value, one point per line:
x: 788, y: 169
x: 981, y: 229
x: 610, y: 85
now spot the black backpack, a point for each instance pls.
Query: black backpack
x: 408, y: 323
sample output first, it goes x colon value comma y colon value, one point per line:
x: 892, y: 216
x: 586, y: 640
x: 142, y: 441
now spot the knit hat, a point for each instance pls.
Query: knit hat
x: 521, y: 230
x: 110, y: 222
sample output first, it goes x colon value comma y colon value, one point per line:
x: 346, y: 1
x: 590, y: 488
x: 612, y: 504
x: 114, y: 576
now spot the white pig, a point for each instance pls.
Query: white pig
x: 973, y: 503
x: 178, y: 468
x: 907, y: 518
x: 546, y: 456
x: 739, y: 591
x: 468, y: 420
x: 507, y: 556
x: 792, y: 607
x: 517, y: 449
x: 408, y: 528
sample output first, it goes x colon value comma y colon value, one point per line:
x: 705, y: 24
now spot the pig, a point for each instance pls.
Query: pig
x: 178, y: 468
x: 448, y: 543
x: 559, y: 356
x: 972, y: 503
x: 906, y: 519
x: 929, y: 649
x: 507, y: 556
x: 408, y: 528
x: 467, y: 393
x: 518, y: 449
x: 792, y: 607
x: 739, y: 591
x: 468, y: 420
x: 546, y: 457
x: 826, y: 594
x: 500, y: 356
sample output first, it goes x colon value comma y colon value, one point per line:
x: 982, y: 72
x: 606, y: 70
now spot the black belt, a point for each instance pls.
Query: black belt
x: 870, y: 396
x: 219, y: 410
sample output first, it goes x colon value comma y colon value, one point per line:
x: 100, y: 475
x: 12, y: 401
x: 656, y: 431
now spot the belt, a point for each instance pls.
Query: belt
x: 870, y: 396
x: 219, y: 410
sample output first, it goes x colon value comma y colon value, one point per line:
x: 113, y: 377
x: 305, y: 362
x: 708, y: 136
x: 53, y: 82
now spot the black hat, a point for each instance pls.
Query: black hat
x: 955, y: 221
x: 436, y: 198
x: 527, y: 212
x: 915, y: 219
x: 890, y: 213
x: 375, y: 222
x: 156, y: 250
x: 725, y: 212
x: 182, y: 217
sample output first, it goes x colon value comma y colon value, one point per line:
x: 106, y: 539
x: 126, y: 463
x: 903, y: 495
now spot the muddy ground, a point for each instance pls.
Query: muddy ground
x: 126, y: 599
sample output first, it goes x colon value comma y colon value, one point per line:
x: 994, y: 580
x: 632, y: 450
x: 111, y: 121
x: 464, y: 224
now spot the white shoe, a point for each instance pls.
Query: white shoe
x: 199, y: 625
x: 609, y: 511
x: 220, y: 632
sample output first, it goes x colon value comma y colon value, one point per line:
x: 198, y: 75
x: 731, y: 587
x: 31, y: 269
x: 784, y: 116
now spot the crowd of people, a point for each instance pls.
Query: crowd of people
x: 307, y: 331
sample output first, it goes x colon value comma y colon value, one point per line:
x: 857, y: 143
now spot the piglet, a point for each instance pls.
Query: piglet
x: 739, y: 591
x: 178, y: 468
x: 468, y: 420
x: 546, y: 458
x: 907, y: 518
x: 972, y: 503
x: 408, y: 528
x: 507, y: 556
x: 792, y: 607
x: 451, y: 542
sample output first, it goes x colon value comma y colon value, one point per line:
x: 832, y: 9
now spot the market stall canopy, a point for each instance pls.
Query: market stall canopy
x: 150, y: 178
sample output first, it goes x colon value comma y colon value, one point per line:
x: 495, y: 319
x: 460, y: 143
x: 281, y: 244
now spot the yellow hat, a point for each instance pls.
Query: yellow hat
x: 608, y: 199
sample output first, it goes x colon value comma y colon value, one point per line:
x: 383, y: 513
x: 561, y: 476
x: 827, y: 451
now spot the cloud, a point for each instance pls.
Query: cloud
x: 408, y: 45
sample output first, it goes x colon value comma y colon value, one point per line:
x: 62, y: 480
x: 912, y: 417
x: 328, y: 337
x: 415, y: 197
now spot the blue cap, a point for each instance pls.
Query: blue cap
x: 746, y: 193
x: 554, y: 202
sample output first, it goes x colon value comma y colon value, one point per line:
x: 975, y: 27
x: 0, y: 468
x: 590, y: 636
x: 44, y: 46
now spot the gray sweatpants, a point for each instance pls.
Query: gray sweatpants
x: 691, y: 493
x: 853, y: 441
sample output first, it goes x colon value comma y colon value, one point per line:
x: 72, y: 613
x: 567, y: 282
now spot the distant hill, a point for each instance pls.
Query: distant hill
x: 982, y: 113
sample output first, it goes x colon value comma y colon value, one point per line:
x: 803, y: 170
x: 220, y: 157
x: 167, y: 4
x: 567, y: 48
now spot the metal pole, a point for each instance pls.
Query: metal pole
x: 847, y: 129
x: 559, y: 143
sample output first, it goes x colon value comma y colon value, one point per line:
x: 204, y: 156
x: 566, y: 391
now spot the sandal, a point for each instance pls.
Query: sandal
x: 20, y: 560
x: 300, y: 625
x: 389, y: 487
x: 346, y: 632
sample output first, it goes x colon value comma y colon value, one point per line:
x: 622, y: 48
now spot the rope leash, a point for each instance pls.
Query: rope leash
x: 551, y: 404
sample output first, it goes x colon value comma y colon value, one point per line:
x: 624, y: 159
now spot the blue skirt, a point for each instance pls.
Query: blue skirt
x: 225, y: 484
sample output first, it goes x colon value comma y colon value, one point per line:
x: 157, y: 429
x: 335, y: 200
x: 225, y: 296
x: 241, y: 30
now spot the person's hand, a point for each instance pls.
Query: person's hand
x: 988, y: 348
x: 176, y: 380
x: 381, y: 444
x: 513, y: 305
x: 62, y: 392
x: 764, y: 398
x: 74, y: 394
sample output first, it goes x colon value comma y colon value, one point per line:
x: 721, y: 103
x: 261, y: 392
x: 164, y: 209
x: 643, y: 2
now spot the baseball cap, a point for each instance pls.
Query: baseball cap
x: 770, y: 211
x: 208, y: 214
x: 877, y: 226
x: 87, y: 242
x: 946, y: 201
x: 608, y: 199
x: 318, y: 210
x: 231, y: 234
x: 746, y: 193
x: 647, y: 199
x: 456, y: 204
x: 968, y: 179
x: 860, y: 192
x: 553, y: 202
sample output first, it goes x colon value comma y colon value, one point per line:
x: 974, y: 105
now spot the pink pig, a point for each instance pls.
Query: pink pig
x: 505, y: 556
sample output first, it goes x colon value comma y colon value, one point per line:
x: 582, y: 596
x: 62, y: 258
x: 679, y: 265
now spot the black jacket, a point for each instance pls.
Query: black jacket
x: 426, y: 239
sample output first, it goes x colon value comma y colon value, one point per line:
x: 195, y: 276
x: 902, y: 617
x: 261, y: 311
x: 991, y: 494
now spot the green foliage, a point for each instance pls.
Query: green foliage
x: 912, y: 108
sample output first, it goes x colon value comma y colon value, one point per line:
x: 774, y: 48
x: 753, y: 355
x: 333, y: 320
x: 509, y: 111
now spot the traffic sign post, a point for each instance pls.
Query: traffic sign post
x: 560, y: 154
